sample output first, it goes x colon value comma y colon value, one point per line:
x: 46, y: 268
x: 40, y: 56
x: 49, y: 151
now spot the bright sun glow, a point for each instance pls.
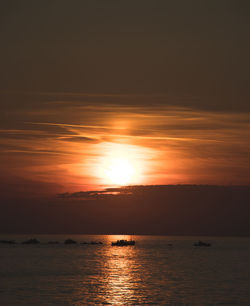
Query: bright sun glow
x: 120, y: 171
x: 120, y: 164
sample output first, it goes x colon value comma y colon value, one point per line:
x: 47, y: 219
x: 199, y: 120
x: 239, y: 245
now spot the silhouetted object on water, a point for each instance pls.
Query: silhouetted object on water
x: 92, y: 242
x: 53, y: 242
x: 31, y: 241
x: 123, y: 243
x: 201, y: 243
x: 7, y: 241
x: 95, y: 242
x: 70, y: 241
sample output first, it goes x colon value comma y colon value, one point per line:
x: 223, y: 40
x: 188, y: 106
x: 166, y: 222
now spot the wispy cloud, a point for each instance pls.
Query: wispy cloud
x: 180, y: 144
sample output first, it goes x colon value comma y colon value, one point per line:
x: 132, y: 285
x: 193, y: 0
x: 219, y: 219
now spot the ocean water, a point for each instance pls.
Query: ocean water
x: 149, y: 273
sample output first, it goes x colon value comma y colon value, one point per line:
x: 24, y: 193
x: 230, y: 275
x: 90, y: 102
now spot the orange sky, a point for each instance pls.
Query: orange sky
x: 159, y: 88
x: 65, y: 143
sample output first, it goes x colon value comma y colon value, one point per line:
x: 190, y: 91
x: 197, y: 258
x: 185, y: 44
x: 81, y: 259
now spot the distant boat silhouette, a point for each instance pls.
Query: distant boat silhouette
x: 201, y: 243
x: 95, y: 242
x: 70, y: 241
x: 123, y: 243
x: 92, y: 242
x: 31, y: 241
x: 8, y: 241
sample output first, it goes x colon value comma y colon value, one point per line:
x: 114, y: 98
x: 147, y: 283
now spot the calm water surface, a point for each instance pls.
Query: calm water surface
x: 150, y: 273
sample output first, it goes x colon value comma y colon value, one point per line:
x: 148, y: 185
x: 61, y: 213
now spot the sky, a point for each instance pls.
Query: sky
x: 96, y: 94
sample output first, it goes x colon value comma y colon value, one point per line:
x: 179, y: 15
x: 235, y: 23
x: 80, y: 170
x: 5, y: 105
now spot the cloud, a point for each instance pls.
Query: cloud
x: 180, y: 144
x: 79, y: 139
x: 155, y: 210
x: 158, y: 191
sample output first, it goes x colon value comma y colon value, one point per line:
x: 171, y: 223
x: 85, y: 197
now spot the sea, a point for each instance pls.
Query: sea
x: 157, y: 270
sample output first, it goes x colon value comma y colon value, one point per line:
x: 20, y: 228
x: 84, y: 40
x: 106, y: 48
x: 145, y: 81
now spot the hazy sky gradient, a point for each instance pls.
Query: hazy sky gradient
x: 169, y: 79
x: 60, y: 140
x: 182, y: 48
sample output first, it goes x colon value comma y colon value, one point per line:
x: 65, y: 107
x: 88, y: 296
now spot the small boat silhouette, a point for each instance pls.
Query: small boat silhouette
x: 201, y: 243
x: 8, y: 241
x: 91, y: 242
x: 123, y: 243
x: 70, y: 241
x: 31, y: 241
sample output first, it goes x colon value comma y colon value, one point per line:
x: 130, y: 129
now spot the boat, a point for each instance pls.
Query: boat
x: 8, y: 241
x: 70, y: 241
x: 123, y: 243
x: 95, y: 242
x: 91, y: 242
x: 31, y: 241
x: 201, y: 243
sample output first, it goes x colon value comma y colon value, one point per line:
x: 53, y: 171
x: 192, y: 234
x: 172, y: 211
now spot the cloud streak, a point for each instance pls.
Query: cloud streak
x: 179, y: 144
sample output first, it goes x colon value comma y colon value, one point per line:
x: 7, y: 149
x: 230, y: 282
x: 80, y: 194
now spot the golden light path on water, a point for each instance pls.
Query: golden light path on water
x: 120, y: 268
x: 119, y: 276
x: 149, y: 273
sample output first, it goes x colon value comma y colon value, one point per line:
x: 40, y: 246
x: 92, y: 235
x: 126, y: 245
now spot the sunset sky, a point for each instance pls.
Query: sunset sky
x: 157, y: 90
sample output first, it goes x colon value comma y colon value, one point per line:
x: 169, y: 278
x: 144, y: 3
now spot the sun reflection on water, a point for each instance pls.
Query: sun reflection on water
x: 120, y: 274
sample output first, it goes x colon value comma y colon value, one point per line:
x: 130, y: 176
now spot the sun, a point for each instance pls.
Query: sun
x: 119, y: 164
x: 120, y: 171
